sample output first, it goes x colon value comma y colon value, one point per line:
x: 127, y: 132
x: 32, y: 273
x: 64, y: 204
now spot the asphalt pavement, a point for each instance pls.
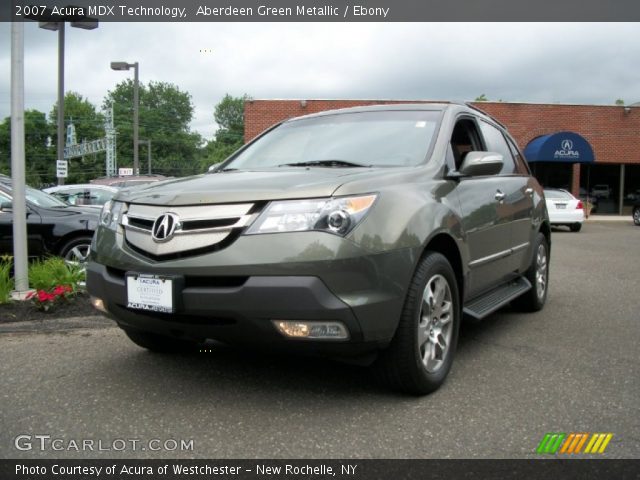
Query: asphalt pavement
x: 574, y: 367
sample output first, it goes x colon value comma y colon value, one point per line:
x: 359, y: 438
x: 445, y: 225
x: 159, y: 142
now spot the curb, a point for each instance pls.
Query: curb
x: 57, y: 325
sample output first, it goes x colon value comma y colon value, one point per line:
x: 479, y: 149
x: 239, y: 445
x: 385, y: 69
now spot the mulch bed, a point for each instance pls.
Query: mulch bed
x: 22, y: 311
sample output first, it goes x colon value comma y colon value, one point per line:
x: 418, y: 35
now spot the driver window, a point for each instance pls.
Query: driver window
x: 464, y: 139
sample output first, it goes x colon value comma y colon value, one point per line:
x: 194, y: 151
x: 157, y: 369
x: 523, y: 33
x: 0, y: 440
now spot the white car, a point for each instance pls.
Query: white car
x: 87, y: 195
x: 564, y: 208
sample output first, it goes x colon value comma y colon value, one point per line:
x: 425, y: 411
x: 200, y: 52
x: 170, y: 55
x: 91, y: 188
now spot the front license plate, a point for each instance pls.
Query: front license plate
x: 150, y: 292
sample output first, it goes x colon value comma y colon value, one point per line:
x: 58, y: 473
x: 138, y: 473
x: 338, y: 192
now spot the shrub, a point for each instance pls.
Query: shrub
x: 6, y: 281
x: 52, y: 272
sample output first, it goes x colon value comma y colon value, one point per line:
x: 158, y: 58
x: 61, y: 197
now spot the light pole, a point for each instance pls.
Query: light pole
x: 148, y: 143
x: 136, y: 107
x: 57, y: 24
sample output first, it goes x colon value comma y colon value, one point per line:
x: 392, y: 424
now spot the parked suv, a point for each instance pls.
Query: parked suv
x: 364, y: 233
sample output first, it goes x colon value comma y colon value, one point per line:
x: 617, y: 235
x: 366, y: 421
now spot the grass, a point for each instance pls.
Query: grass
x: 53, y: 271
x: 6, y: 281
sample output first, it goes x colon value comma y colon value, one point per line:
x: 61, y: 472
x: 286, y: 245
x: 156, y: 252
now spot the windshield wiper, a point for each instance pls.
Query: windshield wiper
x: 324, y: 163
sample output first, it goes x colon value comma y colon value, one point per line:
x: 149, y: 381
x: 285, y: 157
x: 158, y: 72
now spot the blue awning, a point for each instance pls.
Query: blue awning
x: 565, y: 147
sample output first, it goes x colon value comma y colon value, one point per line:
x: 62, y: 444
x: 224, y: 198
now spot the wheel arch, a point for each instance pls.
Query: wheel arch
x: 446, y: 245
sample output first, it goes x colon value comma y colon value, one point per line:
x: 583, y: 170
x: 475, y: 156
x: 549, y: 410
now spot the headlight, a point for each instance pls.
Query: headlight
x: 335, y: 215
x: 110, y: 214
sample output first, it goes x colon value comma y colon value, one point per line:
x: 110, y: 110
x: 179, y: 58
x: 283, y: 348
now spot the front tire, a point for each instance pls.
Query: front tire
x: 538, y: 274
x: 422, y: 350
x: 159, y: 343
x: 76, y: 250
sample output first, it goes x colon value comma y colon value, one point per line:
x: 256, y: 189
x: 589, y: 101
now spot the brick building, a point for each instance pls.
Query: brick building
x: 613, y: 132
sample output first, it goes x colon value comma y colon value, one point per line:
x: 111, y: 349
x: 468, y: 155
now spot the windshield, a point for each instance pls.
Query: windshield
x: 377, y: 139
x: 43, y: 199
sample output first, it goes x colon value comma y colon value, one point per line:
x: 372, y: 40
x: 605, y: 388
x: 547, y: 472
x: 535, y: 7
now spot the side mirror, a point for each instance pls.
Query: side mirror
x: 481, y: 163
x: 6, y: 207
x: 214, y: 168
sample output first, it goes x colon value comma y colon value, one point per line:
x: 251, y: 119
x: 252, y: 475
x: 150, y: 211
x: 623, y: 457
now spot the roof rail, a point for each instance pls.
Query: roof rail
x: 473, y: 107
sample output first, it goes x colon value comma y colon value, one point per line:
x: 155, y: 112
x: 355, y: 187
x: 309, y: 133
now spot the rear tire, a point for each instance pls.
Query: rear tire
x: 421, y: 353
x: 575, y: 227
x: 159, y: 343
x: 538, y: 274
x: 636, y: 215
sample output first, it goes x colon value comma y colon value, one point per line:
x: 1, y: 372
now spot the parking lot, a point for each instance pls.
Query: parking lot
x: 574, y: 367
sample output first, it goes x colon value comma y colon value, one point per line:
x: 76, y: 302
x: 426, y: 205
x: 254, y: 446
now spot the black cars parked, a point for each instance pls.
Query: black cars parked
x: 53, y: 227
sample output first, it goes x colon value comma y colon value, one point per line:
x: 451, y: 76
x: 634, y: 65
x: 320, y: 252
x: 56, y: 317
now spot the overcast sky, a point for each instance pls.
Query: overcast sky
x: 559, y: 62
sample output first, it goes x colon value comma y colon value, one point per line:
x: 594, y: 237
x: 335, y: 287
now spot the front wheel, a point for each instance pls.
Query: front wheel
x: 636, y: 215
x: 422, y: 350
x: 76, y: 251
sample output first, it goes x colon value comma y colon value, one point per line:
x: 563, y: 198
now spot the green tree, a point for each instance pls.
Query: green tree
x: 164, y: 118
x: 620, y: 102
x: 229, y: 115
x: 89, y: 125
x: 39, y: 154
x: 481, y: 98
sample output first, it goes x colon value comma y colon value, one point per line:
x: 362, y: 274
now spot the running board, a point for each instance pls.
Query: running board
x: 497, y: 298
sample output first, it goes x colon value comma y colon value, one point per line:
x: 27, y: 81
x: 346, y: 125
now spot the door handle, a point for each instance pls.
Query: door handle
x: 529, y: 191
x: 499, y: 196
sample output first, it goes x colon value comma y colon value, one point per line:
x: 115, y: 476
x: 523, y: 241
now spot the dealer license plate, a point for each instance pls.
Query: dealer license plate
x: 150, y: 292
x: 561, y: 205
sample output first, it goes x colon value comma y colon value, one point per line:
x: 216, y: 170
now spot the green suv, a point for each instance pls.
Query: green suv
x: 363, y: 234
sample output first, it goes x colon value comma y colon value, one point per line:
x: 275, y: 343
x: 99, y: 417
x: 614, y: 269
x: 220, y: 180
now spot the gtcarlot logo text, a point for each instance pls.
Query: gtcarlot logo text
x: 42, y: 443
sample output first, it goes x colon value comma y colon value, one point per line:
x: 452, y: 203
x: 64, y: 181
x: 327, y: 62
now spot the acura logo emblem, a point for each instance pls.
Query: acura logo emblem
x: 567, y: 145
x: 165, y: 226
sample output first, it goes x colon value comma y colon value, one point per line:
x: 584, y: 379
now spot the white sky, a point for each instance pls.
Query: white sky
x: 554, y: 62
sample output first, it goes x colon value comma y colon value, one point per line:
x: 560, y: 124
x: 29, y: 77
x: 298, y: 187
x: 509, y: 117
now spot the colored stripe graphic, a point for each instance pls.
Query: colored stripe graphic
x: 572, y: 443
x: 598, y: 442
x: 550, y: 443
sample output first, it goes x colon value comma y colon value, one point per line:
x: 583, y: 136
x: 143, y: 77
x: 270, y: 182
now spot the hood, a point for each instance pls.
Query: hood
x: 245, y: 185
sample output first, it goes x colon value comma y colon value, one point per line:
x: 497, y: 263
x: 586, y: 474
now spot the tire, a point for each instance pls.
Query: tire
x: 538, y: 274
x: 434, y: 338
x: 575, y: 227
x: 636, y: 215
x: 159, y: 343
x: 76, y: 250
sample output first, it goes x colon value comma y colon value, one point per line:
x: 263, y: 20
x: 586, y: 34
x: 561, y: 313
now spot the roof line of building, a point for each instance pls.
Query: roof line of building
x: 635, y: 105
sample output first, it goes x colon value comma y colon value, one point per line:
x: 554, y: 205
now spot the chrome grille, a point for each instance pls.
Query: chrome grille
x: 199, y: 226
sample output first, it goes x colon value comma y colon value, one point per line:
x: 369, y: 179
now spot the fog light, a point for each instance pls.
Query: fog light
x: 98, y: 304
x: 312, y: 330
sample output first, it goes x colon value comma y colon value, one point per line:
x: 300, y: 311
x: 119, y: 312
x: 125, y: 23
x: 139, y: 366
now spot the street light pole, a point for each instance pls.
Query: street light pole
x: 60, y: 142
x: 49, y: 21
x: 19, y: 202
x: 136, y: 108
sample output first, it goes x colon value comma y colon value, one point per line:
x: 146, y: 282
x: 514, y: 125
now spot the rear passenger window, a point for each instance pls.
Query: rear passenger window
x: 495, y: 142
x: 521, y: 164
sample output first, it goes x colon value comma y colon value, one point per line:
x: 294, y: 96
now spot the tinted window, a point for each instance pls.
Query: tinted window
x: 521, y: 164
x: 495, y: 142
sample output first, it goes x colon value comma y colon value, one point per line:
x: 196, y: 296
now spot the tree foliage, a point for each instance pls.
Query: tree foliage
x: 164, y: 117
x: 39, y: 154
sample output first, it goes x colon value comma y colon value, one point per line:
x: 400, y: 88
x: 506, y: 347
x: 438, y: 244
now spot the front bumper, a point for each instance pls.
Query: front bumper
x: 230, y: 297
